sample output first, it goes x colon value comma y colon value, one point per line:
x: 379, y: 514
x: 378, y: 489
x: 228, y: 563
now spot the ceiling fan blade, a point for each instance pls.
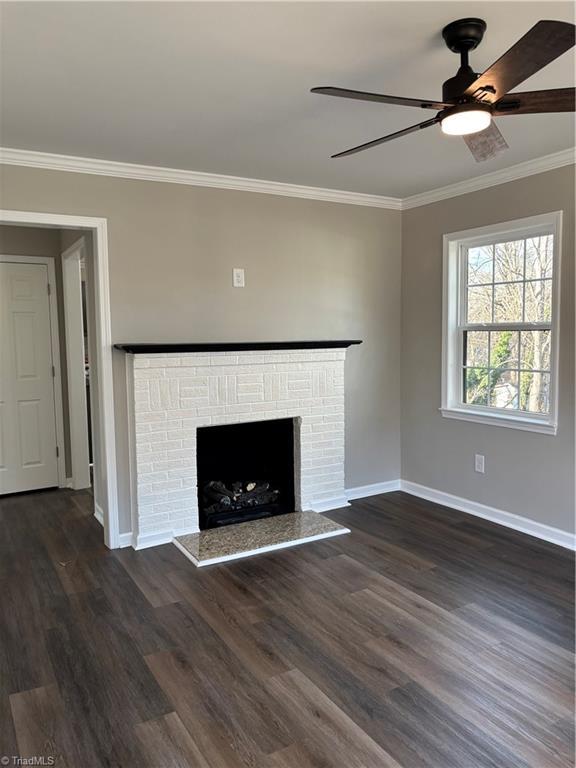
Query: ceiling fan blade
x: 540, y: 45
x: 346, y: 93
x: 531, y: 102
x: 486, y: 144
x: 389, y: 137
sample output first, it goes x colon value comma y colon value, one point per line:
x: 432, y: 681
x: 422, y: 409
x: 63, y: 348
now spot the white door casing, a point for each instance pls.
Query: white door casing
x: 105, y: 491
x: 28, y: 444
x: 75, y: 365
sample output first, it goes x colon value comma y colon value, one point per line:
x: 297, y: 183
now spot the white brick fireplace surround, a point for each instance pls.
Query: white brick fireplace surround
x: 175, y: 392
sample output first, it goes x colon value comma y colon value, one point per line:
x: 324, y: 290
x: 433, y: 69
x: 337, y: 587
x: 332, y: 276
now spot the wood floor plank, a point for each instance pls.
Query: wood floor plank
x: 8, y: 743
x: 150, y: 573
x: 424, y: 639
x: 311, y: 609
x: 506, y: 629
x: 512, y: 723
x: 166, y: 742
x: 104, y: 682
x: 221, y: 683
x: 357, y: 689
x: 23, y: 655
x: 454, y: 741
x: 239, y: 635
x: 71, y: 567
x: 39, y: 721
x: 218, y: 729
x: 333, y: 731
x: 303, y: 755
x: 129, y: 605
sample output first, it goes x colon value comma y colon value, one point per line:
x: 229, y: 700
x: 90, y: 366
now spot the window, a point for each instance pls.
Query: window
x: 500, y: 324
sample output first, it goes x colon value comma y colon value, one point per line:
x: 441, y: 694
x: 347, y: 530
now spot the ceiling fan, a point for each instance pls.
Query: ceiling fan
x: 471, y: 101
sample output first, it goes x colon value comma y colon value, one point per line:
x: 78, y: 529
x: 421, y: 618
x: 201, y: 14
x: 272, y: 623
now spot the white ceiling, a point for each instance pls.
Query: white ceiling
x: 224, y: 87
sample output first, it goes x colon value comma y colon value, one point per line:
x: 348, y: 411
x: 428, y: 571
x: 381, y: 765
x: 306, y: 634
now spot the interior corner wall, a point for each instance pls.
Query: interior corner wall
x: 527, y: 473
x: 314, y: 270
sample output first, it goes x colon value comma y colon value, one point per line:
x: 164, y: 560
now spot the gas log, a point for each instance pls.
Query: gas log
x: 228, y: 497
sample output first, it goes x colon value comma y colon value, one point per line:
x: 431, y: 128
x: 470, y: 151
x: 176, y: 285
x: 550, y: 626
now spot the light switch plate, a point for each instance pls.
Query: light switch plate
x: 479, y: 463
x: 238, y: 279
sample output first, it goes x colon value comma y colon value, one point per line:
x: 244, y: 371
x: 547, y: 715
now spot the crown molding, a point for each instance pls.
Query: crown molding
x: 91, y: 165
x: 71, y: 164
x: 518, y: 171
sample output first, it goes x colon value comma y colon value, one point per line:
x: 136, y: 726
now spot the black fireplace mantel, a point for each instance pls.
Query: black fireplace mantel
x: 232, y: 346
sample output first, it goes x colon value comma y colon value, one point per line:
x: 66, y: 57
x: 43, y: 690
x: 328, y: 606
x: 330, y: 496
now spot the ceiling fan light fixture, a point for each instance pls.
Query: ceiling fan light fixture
x: 465, y: 119
x: 470, y: 101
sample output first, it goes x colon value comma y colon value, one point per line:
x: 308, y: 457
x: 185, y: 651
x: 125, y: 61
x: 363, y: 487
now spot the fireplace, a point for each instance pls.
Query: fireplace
x: 245, y: 471
x: 181, y: 394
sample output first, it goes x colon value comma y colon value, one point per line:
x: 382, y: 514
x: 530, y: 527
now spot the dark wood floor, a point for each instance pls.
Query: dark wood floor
x: 425, y: 639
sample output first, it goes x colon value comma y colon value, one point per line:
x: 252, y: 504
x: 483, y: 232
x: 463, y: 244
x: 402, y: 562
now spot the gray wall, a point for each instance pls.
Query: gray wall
x: 38, y: 241
x: 323, y: 270
x: 314, y: 270
x: 528, y: 474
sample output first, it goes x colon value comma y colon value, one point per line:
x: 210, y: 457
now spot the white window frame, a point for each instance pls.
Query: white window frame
x: 454, y: 245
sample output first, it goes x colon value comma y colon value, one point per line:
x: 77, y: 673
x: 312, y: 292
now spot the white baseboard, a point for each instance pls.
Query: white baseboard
x: 143, y: 541
x: 509, y: 520
x: 69, y: 483
x: 363, y: 491
x: 325, y: 505
x: 124, y: 540
x: 99, y: 514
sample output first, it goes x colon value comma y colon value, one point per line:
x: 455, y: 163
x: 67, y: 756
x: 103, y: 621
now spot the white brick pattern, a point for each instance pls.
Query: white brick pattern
x: 176, y: 394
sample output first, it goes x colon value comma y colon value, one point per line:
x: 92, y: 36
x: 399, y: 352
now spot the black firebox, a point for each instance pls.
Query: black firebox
x: 245, y: 471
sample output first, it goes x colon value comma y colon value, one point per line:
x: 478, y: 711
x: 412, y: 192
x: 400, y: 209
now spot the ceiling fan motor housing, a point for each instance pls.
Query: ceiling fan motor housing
x: 464, y: 34
x: 461, y: 37
x: 453, y: 88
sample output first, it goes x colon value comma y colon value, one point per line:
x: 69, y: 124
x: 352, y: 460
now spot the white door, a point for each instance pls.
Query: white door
x: 27, y: 415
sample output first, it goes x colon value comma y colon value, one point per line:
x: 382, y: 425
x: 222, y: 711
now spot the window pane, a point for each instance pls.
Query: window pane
x: 504, y: 389
x: 476, y: 352
x: 509, y: 261
x: 508, y: 303
x: 476, y: 386
x: 535, y: 392
x: 505, y: 301
x: 538, y: 302
x: 480, y: 304
x: 539, y: 253
x: 535, y: 350
x: 480, y: 265
x: 504, y: 349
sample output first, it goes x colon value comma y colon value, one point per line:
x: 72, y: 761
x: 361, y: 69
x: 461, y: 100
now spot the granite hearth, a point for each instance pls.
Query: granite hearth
x: 218, y: 545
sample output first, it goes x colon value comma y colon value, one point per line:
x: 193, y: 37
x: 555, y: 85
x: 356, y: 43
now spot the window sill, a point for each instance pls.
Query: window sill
x: 495, y: 419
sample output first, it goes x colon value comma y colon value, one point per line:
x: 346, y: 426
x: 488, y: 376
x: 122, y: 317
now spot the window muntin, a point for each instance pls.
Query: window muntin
x: 505, y: 323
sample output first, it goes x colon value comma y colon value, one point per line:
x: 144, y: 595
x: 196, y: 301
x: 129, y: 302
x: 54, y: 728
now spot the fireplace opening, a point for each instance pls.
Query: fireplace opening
x: 245, y: 471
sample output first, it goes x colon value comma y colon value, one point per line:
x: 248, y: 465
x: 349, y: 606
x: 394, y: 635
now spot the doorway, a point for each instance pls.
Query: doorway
x: 35, y: 425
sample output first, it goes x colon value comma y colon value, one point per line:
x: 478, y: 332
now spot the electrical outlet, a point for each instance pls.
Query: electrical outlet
x: 479, y: 463
x: 238, y: 279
